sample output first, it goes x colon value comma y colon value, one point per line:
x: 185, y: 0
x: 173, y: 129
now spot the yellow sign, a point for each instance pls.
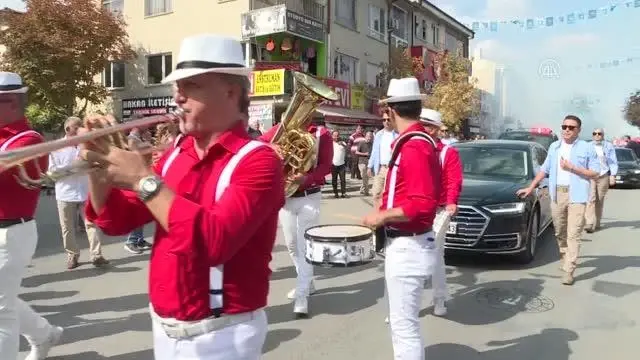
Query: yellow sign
x: 357, y: 97
x: 268, y: 82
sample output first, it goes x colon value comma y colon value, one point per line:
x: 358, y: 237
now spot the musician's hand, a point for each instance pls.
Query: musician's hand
x: 95, y: 122
x: 452, y: 209
x: 374, y: 219
x: 122, y: 168
x: 298, y: 179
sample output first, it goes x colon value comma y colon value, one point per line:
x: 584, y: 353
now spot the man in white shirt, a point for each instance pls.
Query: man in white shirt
x: 71, y: 193
x: 606, y: 153
x: 339, y: 167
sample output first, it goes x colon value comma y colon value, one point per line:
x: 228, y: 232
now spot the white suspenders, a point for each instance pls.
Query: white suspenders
x: 394, y: 173
x: 216, y: 273
x: 318, y: 132
x: 15, y: 137
x: 442, y: 155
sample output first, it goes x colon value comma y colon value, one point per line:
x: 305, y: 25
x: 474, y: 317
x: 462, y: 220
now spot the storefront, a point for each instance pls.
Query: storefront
x: 278, y: 34
x: 147, y: 106
x: 269, y: 88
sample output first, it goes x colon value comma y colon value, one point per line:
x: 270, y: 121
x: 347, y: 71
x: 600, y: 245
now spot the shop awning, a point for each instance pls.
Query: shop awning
x: 348, y: 116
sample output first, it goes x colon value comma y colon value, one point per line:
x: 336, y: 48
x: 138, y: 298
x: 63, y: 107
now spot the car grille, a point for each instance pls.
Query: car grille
x: 471, y: 225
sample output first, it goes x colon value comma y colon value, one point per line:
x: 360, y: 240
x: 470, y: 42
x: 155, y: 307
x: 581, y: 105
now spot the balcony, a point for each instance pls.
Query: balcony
x: 310, y: 8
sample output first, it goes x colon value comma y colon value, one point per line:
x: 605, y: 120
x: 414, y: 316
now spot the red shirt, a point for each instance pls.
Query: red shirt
x: 315, y: 176
x: 238, y: 231
x: 17, y: 201
x: 451, y: 174
x: 417, y: 188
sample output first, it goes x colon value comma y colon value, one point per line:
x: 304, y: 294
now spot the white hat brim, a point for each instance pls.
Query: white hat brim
x: 431, y: 122
x: 22, y: 90
x: 405, y: 98
x: 180, y: 74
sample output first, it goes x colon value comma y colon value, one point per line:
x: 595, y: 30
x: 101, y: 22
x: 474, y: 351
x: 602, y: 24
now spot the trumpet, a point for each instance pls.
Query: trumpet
x: 18, y: 158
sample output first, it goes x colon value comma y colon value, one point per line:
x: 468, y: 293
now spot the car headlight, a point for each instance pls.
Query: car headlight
x: 636, y: 171
x: 507, y: 208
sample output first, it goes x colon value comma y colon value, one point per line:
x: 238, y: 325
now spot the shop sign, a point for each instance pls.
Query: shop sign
x: 343, y: 90
x: 357, y: 98
x: 305, y: 26
x: 269, y: 65
x: 267, y: 82
x: 269, y: 20
x: 262, y: 113
x: 147, y: 106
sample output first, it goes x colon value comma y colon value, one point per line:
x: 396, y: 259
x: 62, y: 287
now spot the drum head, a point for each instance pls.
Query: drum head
x: 338, y: 233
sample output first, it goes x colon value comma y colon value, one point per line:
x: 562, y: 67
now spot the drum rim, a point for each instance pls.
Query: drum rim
x: 330, y: 239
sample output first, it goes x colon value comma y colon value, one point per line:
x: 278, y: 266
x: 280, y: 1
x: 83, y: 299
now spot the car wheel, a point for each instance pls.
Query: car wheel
x: 529, y: 252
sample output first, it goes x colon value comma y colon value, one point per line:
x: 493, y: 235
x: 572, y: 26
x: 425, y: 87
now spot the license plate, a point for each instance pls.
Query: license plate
x: 453, y: 228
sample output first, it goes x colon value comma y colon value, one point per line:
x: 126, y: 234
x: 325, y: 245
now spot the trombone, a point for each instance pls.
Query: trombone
x: 18, y: 158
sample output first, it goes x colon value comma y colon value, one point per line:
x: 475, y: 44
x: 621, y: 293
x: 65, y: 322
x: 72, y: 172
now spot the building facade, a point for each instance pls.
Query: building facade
x: 492, y: 82
x: 344, y: 42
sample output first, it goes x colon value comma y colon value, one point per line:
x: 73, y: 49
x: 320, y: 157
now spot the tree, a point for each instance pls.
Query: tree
x: 632, y: 109
x: 400, y: 65
x: 58, y: 47
x: 454, y: 94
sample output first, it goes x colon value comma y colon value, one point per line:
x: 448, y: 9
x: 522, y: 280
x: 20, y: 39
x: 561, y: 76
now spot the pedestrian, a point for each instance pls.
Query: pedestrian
x: 338, y: 168
x: 571, y: 164
x: 406, y: 216
x: 214, y: 196
x: 450, y: 189
x: 354, y: 140
x: 254, y: 129
x: 18, y: 232
x: 71, y: 194
x: 379, y: 160
x: 606, y: 153
x: 363, y: 152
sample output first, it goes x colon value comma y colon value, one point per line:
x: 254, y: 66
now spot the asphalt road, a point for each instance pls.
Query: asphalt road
x: 499, y: 310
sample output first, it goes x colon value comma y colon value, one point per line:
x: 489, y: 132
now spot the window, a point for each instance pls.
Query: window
x: 157, y: 7
x: 158, y: 67
x: 373, y: 75
x: 115, y: 6
x: 451, y: 44
x: 399, y: 21
x: 345, y: 68
x: 377, y: 24
x: 420, y: 28
x: 113, y: 75
x: 435, y: 34
x: 346, y: 13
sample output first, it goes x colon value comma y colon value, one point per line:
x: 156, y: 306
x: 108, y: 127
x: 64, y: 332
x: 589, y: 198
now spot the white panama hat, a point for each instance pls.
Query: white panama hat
x: 402, y: 90
x: 431, y: 117
x: 205, y: 53
x: 11, y: 83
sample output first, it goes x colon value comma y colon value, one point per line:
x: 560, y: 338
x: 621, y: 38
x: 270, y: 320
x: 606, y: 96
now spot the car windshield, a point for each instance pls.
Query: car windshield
x: 624, y: 155
x: 544, y: 140
x: 493, y: 162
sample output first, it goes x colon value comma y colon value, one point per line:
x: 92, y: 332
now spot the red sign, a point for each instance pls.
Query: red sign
x: 269, y: 65
x: 343, y: 89
x: 542, y: 130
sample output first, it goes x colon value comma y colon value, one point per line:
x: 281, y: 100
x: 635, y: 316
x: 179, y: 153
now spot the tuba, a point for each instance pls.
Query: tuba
x: 296, y: 145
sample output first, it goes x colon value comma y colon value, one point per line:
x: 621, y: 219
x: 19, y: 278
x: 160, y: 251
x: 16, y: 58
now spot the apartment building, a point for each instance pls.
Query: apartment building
x: 492, y: 85
x: 341, y: 41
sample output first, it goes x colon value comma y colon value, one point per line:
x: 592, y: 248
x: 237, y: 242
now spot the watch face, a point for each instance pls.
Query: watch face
x: 149, y: 185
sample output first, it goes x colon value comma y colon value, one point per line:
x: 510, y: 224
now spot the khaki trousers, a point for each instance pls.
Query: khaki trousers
x: 365, y: 178
x: 68, y: 213
x: 593, y: 214
x: 568, y: 221
x: 378, y: 183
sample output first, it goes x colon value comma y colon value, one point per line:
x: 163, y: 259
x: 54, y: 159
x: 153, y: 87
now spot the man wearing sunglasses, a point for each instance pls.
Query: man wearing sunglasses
x: 608, y: 169
x: 570, y: 165
x: 380, y: 155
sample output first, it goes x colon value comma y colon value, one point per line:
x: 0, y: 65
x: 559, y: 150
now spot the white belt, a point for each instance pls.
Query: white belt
x: 177, y: 329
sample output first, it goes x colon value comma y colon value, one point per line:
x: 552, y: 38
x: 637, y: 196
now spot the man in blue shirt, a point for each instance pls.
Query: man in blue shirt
x: 380, y: 157
x: 606, y: 153
x: 570, y: 164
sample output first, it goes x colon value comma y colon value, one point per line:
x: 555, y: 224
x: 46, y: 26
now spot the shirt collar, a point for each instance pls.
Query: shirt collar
x: 415, y: 127
x: 14, y: 128
x: 231, y: 140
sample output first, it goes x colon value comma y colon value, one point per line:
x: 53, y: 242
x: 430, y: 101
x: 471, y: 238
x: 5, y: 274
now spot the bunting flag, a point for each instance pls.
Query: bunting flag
x: 550, y: 21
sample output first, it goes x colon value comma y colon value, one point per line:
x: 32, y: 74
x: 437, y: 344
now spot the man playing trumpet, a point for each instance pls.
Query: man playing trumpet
x: 215, y: 198
x: 18, y: 233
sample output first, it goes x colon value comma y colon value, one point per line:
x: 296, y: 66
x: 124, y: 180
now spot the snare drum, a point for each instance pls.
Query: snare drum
x: 339, y: 245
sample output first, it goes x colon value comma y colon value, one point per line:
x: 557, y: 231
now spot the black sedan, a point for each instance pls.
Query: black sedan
x: 491, y: 218
x: 628, y: 168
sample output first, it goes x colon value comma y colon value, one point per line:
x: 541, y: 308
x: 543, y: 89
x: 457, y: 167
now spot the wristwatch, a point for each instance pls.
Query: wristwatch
x: 148, y: 187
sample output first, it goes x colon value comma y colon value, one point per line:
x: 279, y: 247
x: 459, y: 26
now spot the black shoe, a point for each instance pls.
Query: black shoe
x: 143, y: 245
x: 132, y: 248
x: 336, y: 196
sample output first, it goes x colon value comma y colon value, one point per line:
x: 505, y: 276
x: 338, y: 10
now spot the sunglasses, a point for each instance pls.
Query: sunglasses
x: 568, y: 127
x: 596, y: 133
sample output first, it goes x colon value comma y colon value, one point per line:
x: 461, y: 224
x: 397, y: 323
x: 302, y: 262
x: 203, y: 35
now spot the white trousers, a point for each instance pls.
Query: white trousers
x: 439, y: 278
x: 17, y: 246
x: 242, y: 341
x: 409, y: 261
x: 297, y: 215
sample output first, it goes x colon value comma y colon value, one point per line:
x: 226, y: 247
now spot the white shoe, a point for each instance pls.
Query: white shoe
x: 292, y: 294
x: 40, y: 351
x: 386, y: 320
x: 439, y: 307
x: 301, y: 307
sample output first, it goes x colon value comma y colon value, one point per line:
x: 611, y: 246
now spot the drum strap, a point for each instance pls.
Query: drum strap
x: 216, y: 273
x: 17, y: 136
